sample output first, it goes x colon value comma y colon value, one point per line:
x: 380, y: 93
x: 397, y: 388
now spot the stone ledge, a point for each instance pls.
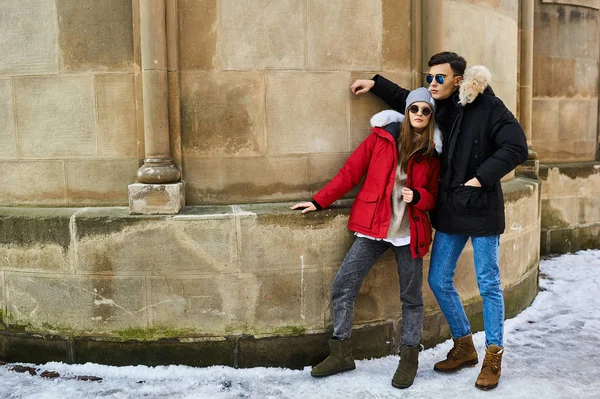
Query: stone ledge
x: 296, y: 351
x: 570, y: 239
x: 573, y: 170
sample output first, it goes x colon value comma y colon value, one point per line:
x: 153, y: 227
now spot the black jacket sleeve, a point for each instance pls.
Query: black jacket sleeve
x: 508, y: 138
x: 390, y: 92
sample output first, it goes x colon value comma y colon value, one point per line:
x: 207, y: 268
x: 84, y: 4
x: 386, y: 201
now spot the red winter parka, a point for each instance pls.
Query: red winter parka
x: 377, y: 156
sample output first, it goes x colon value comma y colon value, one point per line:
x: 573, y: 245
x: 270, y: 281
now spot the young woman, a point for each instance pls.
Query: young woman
x: 402, y: 169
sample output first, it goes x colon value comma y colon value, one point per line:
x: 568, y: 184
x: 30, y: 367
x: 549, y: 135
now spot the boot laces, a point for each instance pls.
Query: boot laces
x: 456, y: 349
x: 492, y: 360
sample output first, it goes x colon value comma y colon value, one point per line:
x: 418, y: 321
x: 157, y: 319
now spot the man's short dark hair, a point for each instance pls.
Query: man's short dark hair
x: 457, y: 63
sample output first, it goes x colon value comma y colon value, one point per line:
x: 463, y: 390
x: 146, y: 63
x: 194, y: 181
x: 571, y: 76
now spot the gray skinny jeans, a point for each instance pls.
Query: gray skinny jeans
x: 358, y: 261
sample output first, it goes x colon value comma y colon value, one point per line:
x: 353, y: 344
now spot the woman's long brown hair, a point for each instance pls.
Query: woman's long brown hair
x: 410, y: 142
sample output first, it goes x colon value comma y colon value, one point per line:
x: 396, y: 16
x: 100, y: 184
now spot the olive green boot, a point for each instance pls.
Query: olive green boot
x: 339, y: 360
x: 407, y: 369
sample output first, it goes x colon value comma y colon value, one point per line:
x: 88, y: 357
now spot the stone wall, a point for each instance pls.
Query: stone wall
x: 565, y: 85
x: 238, y: 285
x: 565, y: 122
x: 281, y: 119
x: 68, y: 134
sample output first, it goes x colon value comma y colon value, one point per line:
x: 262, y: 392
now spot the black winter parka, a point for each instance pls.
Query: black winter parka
x: 482, y: 139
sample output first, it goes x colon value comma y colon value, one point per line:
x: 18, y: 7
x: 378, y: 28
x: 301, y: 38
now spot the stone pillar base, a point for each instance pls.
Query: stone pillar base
x: 156, y: 199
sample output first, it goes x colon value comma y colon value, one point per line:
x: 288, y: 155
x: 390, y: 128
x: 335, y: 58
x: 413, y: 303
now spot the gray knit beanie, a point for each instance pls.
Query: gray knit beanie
x: 418, y: 95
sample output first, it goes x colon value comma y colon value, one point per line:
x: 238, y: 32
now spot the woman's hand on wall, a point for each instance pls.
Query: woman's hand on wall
x: 305, y: 206
x: 361, y: 86
x: 407, y: 195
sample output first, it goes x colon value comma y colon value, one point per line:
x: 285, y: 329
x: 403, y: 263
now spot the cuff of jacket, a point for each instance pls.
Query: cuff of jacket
x: 416, y: 197
x: 316, y: 204
x: 480, y: 180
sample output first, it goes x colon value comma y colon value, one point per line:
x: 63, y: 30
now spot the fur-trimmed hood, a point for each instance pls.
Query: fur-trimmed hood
x: 476, y: 80
x: 386, y: 117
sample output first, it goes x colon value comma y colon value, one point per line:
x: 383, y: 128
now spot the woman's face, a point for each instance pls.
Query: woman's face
x: 416, y: 113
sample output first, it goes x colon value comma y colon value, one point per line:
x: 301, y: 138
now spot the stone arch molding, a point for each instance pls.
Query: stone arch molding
x: 595, y: 4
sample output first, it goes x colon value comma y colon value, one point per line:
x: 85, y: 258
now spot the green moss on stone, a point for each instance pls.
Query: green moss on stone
x: 552, y: 217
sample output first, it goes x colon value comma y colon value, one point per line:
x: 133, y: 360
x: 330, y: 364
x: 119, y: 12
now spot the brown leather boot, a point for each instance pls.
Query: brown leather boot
x: 491, y: 369
x: 462, y: 354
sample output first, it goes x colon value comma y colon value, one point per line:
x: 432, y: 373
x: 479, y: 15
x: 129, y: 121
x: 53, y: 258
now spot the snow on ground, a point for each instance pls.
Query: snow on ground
x: 551, y: 352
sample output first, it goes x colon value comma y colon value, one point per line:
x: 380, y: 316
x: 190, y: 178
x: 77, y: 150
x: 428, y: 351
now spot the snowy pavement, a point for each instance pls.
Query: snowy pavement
x: 550, y: 352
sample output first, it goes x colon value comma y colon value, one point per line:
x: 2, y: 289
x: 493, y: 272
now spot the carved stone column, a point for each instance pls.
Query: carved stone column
x: 159, y: 190
x: 531, y: 167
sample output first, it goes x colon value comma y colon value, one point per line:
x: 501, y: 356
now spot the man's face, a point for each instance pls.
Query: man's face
x: 440, y: 91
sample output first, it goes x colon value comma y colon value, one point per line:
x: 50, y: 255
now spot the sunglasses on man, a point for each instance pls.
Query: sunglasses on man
x: 425, y: 111
x: 440, y: 77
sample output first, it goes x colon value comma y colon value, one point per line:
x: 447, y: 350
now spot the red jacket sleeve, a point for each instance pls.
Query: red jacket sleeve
x: 349, y: 175
x: 429, y: 193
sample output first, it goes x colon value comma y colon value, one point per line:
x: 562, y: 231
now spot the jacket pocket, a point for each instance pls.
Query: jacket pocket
x: 468, y: 199
x: 363, y: 209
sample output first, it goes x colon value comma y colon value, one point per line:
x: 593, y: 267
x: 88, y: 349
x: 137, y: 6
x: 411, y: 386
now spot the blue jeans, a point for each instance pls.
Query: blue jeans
x: 444, y: 256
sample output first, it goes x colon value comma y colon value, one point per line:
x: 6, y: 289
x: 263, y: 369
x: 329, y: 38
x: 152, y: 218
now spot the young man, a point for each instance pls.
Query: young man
x: 484, y: 142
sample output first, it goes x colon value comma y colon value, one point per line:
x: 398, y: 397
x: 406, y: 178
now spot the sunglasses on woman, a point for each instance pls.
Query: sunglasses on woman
x: 426, y: 111
x: 440, y: 77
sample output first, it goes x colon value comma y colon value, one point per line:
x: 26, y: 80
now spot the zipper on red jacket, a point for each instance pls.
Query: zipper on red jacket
x: 409, y: 167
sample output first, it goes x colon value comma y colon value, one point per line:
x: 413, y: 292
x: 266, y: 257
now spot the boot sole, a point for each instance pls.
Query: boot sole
x: 334, y: 372
x: 401, y: 386
x: 486, y: 387
x: 470, y: 363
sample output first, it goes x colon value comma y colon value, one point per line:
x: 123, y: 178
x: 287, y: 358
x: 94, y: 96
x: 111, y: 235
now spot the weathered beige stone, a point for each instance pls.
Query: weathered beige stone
x: 262, y: 34
x: 153, y: 199
x: 197, y: 34
x: 519, y: 215
x: 491, y: 4
x: 153, y: 35
x: 277, y: 301
x: 265, y: 179
x: 308, y: 112
x: 545, y: 127
x: 396, y: 41
x: 28, y: 45
x: 201, y: 243
x: 49, y: 188
x: 498, y: 51
x: 8, y: 145
x: 203, y: 180
x: 573, y: 126
x: 563, y: 79
x: 461, y: 40
x: 545, y: 31
x: 100, y: 182
x: 115, y: 108
x: 543, y: 76
x: 87, y: 304
x: 43, y: 257
x: 577, y: 25
x: 323, y: 167
x: 272, y: 242
x: 560, y: 212
x: 55, y: 116
x: 585, y: 3
x: 156, y: 113
x: 106, y: 43
x: 206, y: 304
x: 175, y: 118
x: 331, y: 23
x: 586, y: 77
x: 589, y: 210
x: 222, y: 113
x: 2, y: 293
